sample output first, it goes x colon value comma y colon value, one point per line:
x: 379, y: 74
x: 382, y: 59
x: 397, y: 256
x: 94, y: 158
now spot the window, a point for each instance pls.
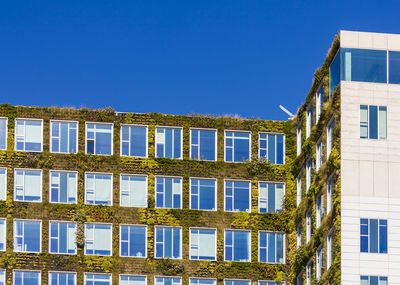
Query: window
x: 329, y: 192
x: 3, y: 184
x: 202, y: 281
x: 62, y: 278
x: 364, y: 65
x: 97, y: 279
x: 3, y: 234
x: 63, y: 187
x: 236, y: 282
x: 320, y: 153
x: 329, y: 249
x: 168, y: 242
x: 99, y: 139
x: 203, y: 194
x: 320, y: 209
x: 373, y: 280
x: 27, y: 236
x: 132, y: 280
x: 3, y: 134
x: 269, y: 283
x: 64, y: 137
x: 169, y: 142
x: 2, y: 277
x: 237, y: 245
x: 98, y: 239
x: 133, y: 191
x: 329, y: 136
x: 133, y: 241
x: 394, y: 67
x: 308, y: 273
x: 373, y: 122
x: 270, y: 197
x: 168, y: 281
x: 237, y: 196
x: 299, y: 188
x: 309, y: 167
x: 308, y: 226
x: 298, y: 137
x: 319, y: 263
x: 169, y: 192
x: 271, y: 147
x: 62, y: 237
x: 203, y: 144
x: 299, y: 279
x: 237, y: 146
x: 98, y: 189
x: 334, y: 74
x: 134, y: 141
x: 28, y: 185
x: 298, y: 235
x: 373, y: 236
x: 271, y: 247
x: 319, y: 102
x: 203, y: 244
x: 28, y: 135
x: 26, y: 277
x: 309, y: 121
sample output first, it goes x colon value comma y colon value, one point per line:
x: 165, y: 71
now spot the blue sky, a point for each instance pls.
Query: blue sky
x: 178, y: 57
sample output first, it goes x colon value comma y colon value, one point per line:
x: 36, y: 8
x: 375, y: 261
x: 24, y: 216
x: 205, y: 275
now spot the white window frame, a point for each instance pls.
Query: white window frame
x: 15, y: 184
x: 319, y: 214
x: 215, y: 193
x: 298, y: 236
x: 50, y: 238
x: 319, y: 102
x: 112, y: 138
x: 233, y: 245
x: 240, y: 280
x: 215, y: 243
x: 308, y: 273
x: 329, y: 248
x: 62, y: 272
x: 329, y: 136
x: 198, y: 144
x: 76, y: 189
x: 309, y: 167
x: 173, y: 141
x: 276, y: 248
x: 162, y: 276
x: 15, y: 134
x: 130, y: 143
x: 330, y: 185
x: 120, y: 240
x: 233, y: 196
x: 132, y: 275
x: 111, y: 191
x: 28, y: 270
x: 276, y: 201
x: 308, y: 225
x: 155, y: 190
x: 204, y: 278
x: 5, y: 182
x: 51, y: 137
x: 5, y: 234
x: 163, y: 242
x: 120, y: 190
x: 299, y: 138
x: 233, y: 145
x: 309, y: 120
x: 276, y: 155
x: 299, y: 189
x: 23, y: 237
x: 86, y: 238
x: 319, y: 263
x: 320, y: 159
x: 6, y: 136
x: 277, y: 283
x: 92, y: 273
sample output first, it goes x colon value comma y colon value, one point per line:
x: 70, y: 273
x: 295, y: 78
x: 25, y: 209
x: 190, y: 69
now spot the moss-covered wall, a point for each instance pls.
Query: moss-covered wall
x: 255, y: 171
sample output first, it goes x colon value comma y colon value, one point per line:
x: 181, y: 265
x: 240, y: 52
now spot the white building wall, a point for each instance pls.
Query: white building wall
x: 370, y: 169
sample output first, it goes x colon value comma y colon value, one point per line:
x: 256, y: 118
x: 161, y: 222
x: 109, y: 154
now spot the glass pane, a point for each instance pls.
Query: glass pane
x: 139, y: 145
x: 382, y: 122
x: 334, y: 74
x: 373, y: 235
x: 394, y: 67
x: 3, y: 133
x: 207, y: 145
x: 373, y: 122
x: 241, y: 151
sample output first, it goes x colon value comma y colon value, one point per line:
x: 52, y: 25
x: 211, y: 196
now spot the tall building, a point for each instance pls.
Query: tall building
x: 98, y: 197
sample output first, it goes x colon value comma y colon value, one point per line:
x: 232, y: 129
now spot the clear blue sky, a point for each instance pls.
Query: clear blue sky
x: 212, y: 57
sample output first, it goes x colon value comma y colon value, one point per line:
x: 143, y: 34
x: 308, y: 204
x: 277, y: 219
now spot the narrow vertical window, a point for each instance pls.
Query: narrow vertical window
x: 330, y: 137
x: 98, y: 189
x: 134, y: 141
x: 330, y: 185
x: 320, y: 209
x: 299, y: 188
x: 298, y: 137
x: 203, y: 244
x: 309, y: 167
x: 98, y: 239
x: 62, y: 237
x: 202, y: 281
x: 167, y: 280
x: 169, y: 142
x: 3, y: 184
x: 334, y: 74
x: 319, y: 263
x: 3, y: 133
x: 237, y: 196
x: 309, y: 273
x: 26, y: 277
x: 237, y: 146
x: 270, y: 197
x: 63, y: 187
x: 320, y: 153
x: 271, y: 147
x: 203, y: 194
x: 298, y: 235
x: 29, y: 135
x: 133, y: 191
x: 319, y: 102
x: 203, y: 144
x: 309, y: 121
x: 132, y: 280
x: 27, y: 236
x: 3, y: 234
x: 133, y: 241
x: 2, y: 277
x: 63, y: 137
x: 97, y: 279
x: 329, y: 249
x: 237, y: 245
x: 62, y: 278
x: 271, y: 247
x: 28, y: 185
x: 168, y: 242
x: 99, y: 139
x: 308, y: 226
x: 169, y: 192
x: 373, y: 122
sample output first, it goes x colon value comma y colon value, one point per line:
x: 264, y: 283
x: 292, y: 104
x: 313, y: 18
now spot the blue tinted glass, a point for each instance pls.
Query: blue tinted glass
x: 394, y: 67
x: 168, y: 192
x: 271, y: 198
x: 279, y: 249
x: 168, y: 242
x: 138, y: 241
x: 271, y: 247
x: 241, y: 151
x: 103, y: 143
x: 383, y: 236
x: 138, y: 141
x: 207, y: 195
x: 207, y: 145
x: 3, y: 133
x: 168, y: 142
x: 373, y: 280
x: 364, y: 243
x: 364, y: 65
x: 334, y: 74
x: 32, y: 236
x: 177, y: 243
x: 64, y: 138
x: 373, y: 122
x: 241, y: 196
x: 279, y: 149
x: 72, y: 140
x: 63, y: 187
x: 241, y: 246
x: 373, y: 235
x: 177, y: 143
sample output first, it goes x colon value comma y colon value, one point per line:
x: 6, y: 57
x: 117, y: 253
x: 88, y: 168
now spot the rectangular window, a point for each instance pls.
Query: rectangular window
x: 320, y: 209
x: 134, y: 141
x: 309, y: 273
x: 203, y: 144
x: 270, y: 197
x: 26, y: 277
x: 373, y: 280
x: 63, y: 137
x: 3, y: 234
x: 160, y: 280
x: 62, y: 278
x: 99, y: 139
x: 237, y: 245
x: 29, y: 135
x: 133, y: 191
x: 169, y: 192
x: 319, y: 263
x: 320, y: 153
x: 373, y: 122
x: 308, y: 226
x: 271, y: 147
x: 168, y: 242
x: 309, y: 168
x: 203, y: 194
x: 27, y: 236
x: 334, y: 74
x: 329, y: 192
x: 329, y: 136
x: 236, y: 282
x: 202, y: 281
x: 270, y: 283
x: 203, y: 244
x: 394, y: 67
x: 3, y: 184
x: 28, y: 185
x: 237, y: 196
x: 98, y: 239
x: 133, y: 241
x: 373, y: 236
x: 3, y: 133
x: 98, y: 189
x: 271, y: 247
x: 298, y: 137
x: 364, y: 65
x: 309, y: 121
x: 298, y: 235
x: 329, y: 249
x: 169, y: 142
x: 132, y: 280
x: 299, y: 188
x: 63, y: 187
x: 62, y: 237
x: 2, y: 277
x: 97, y: 279
x: 319, y: 102
x: 237, y: 146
